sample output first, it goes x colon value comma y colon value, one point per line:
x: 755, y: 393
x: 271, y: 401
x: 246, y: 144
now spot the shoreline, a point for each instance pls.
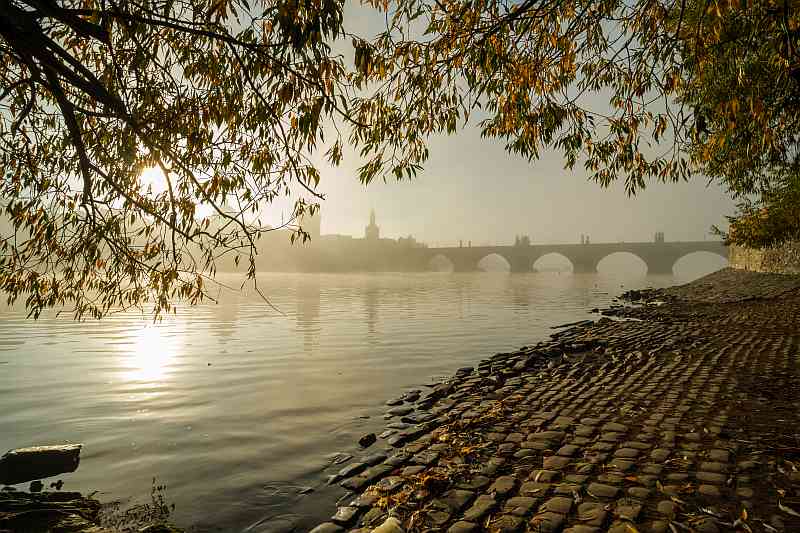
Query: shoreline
x: 636, y: 421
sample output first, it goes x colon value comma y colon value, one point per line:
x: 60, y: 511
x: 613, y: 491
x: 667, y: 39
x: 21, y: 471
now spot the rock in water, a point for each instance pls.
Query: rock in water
x: 392, y: 525
x: 367, y: 440
x: 29, y: 464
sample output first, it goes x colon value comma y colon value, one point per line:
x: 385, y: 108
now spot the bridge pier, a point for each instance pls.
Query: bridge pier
x: 583, y: 267
x: 520, y: 264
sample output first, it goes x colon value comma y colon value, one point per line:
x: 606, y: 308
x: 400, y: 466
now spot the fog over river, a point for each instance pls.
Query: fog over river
x: 235, y: 407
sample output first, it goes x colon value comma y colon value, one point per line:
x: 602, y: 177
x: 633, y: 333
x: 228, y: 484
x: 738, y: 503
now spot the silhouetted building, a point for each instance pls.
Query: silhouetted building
x: 372, y: 232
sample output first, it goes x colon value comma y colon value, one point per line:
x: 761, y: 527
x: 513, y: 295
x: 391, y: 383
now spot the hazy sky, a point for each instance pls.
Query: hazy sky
x: 472, y: 189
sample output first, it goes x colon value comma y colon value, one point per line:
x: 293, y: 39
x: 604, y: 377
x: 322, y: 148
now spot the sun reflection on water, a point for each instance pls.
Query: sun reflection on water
x: 151, y: 354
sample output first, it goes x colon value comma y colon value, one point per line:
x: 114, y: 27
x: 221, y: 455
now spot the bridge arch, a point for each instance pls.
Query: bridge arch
x: 552, y: 262
x: 622, y: 261
x: 441, y: 263
x: 699, y: 263
x: 494, y: 262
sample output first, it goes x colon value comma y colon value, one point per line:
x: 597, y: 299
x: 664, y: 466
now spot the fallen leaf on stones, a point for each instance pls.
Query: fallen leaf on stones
x: 744, y: 514
x: 788, y: 510
x: 768, y: 527
x: 677, y: 500
x: 630, y: 528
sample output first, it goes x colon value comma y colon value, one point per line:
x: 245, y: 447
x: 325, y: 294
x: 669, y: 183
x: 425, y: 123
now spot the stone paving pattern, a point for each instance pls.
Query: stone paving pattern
x: 683, y: 418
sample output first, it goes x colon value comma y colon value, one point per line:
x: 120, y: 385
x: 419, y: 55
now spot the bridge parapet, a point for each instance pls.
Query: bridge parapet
x: 659, y: 257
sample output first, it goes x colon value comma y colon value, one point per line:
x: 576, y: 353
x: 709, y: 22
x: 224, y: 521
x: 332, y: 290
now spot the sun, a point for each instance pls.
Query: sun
x: 153, y: 179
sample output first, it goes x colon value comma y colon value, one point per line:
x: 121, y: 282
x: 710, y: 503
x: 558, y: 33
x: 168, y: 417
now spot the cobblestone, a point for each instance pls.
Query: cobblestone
x: 684, y: 416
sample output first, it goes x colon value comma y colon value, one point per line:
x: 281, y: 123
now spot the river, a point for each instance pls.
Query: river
x: 235, y: 406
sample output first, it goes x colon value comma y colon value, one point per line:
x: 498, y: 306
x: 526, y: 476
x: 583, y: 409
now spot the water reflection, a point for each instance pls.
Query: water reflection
x: 308, y: 304
x: 150, y: 355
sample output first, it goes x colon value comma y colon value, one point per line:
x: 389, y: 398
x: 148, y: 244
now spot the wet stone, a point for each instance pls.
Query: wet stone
x: 532, y: 488
x: 568, y: 450
x: 351, y: 470
x: 639, y: 492
x: 617, y: 428
x: 666, y: 508
x: 507, y: 524
x: 713, y: 467
x: 652, y: 469
x: 345, y: 515
x: 559, y: 504
x: 425, y: 458
x: 623, y: 465
x: 411, y: 471
x: 503, y: 485
x: 373, y: 516
x: 397, y: 459
x: 463, y: 527
x: 355, y: 483
x: 711, y: 477
x: 374, y: 459
x: 582, y: 529
x: 389, y: 484
x: 456, y: 499
x: 547, y: 522
x: 400, y: 411
x: 628, y: 510
x: 515, y: 437
x: 626, y: 453
x: 555, y: 436
x: 327, y: 527
x: 496, y: 437
x: 600, y: 490
x: 611, y: 437
x: 592, y: 513
x: 719, y: 456
x: 709, y: 490
x: 507, y: 448
x: 438, y: 517
x: 519, y: 505
x: 478, y: 482
x: 566, y: 489
x: 483, y: 505
x: 611, y: 478
x: 544, y: 475
x: 365, y: 500
x: 555, y: 462
x: 637, y: 445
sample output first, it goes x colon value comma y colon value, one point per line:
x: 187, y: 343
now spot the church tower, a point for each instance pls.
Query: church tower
x: 372, y: 232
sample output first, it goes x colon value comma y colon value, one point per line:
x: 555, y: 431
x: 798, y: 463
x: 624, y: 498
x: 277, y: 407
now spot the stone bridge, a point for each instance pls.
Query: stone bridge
x: 658, y: 256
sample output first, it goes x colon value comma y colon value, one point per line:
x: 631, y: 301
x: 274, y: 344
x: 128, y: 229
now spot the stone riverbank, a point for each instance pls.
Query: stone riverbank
x: 677, y: 413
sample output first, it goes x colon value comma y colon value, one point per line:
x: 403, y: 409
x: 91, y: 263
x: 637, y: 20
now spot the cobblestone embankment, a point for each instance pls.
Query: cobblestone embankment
x: 684, y: 417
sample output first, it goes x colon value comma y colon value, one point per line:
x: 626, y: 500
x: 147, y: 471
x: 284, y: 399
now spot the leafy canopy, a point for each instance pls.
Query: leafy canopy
x: 639, y: 90
x: 228, y: 100
x: 232, y: 102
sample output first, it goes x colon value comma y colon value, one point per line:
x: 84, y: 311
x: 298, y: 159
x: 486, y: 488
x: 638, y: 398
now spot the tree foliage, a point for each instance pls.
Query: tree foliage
x: 232, y: 102
x: 639, y: 90
x: 229, y: 100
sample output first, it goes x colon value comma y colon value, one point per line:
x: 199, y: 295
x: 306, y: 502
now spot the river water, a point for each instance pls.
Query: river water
x: 234, y: 406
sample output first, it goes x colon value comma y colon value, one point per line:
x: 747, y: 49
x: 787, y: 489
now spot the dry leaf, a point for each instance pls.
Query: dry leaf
x: 788, y: 510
